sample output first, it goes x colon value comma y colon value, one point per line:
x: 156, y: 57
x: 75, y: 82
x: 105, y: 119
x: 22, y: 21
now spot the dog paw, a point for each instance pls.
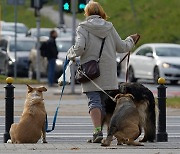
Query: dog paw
x: 105, y: 143
x: 44, y: 141
x: 9, y: 141
x: 89, y: 141
x: 143, y: 140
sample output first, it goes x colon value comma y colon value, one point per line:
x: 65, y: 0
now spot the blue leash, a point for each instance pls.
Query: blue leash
x: 57, y: 109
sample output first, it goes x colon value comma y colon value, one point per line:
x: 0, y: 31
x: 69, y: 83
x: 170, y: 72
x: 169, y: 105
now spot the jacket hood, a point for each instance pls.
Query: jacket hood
x: 97, y: 26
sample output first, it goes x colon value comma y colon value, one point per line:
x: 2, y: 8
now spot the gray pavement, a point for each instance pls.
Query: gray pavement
x: 148, y: 148
x: 76, y: 105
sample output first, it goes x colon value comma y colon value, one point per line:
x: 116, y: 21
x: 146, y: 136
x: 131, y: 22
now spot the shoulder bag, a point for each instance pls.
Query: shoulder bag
x: 89, y: 70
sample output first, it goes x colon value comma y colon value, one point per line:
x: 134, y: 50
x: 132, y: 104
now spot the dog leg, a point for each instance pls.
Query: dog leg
x: 107, y: 141
x: 132, y: 142
x: 111, y: 132
x: 44, y: 134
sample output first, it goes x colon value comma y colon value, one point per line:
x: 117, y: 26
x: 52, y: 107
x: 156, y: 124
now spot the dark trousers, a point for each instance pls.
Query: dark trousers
x: 51, y: 71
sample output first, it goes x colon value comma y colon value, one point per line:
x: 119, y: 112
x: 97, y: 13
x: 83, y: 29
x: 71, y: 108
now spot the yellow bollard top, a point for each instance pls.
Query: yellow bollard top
x: 161, y: 81
x: 9, y: 80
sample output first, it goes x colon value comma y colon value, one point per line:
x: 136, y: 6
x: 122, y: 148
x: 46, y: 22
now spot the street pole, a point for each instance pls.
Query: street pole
x: 37, y: 14
x: 15, y: 40
x: 73, y: 2
x: 61, y: 17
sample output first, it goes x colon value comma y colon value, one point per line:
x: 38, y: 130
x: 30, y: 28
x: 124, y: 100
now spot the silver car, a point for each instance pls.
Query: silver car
x: 23, y: 47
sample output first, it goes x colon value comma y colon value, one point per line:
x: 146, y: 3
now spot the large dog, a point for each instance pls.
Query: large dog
x: 145, y: 103
x: 32, y: 122
x: 125, y: 123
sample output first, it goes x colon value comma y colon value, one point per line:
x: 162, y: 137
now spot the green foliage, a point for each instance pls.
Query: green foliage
x: 25, y: 14
x: 18, y: 80
x: 155, y: 20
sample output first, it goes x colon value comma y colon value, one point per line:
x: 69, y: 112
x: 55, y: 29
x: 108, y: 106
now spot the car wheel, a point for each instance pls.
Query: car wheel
x: 131, y: 75
x: 5, y: 69
x: 31, y: 72
x: 156, y: 75
x: 174, y: 82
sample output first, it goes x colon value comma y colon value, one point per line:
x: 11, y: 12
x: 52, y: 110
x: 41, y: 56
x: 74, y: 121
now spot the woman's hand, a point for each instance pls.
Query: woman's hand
x: 135, y: 37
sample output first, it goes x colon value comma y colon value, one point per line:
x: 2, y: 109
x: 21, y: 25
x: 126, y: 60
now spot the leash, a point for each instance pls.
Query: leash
x: 97, y: 86
x: 62, y: 91
x: 127, y: 69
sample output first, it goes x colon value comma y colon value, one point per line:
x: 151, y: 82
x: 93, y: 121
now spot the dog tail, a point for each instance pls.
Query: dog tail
x: 151, y: 118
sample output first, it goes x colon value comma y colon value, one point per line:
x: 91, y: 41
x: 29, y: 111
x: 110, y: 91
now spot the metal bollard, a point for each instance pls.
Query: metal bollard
x: 9, y: 107
x: 162, y: 135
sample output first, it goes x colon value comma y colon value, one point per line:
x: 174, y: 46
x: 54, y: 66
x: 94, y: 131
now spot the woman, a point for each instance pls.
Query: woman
x: 88, y: 42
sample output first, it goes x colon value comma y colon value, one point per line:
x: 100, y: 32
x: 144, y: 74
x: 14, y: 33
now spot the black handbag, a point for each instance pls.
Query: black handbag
x: 89, y: 70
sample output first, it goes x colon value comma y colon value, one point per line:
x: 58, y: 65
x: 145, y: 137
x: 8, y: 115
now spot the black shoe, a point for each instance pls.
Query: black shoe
x: 97, y: 137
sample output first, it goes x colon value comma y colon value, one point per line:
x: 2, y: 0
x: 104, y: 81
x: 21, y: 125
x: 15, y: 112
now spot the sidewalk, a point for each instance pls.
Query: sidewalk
x: 83, y: 148
x: 53, y: 15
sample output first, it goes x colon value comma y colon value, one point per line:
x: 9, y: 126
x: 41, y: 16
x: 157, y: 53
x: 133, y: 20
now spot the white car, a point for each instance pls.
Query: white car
x: 8, y: 29
x: 151, y: 61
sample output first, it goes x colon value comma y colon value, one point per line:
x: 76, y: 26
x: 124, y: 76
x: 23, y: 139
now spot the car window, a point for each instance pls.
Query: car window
x: 42, y: 33
x: 22, y: 45
x: 144, y: 51
x: 65, y: 34
x: 168, y: 51
x: 3, y: 44
x: 63, y: 46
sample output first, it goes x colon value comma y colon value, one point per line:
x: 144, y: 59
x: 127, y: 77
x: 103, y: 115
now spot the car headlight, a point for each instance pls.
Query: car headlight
x: 166, y: 65
x: 59, y: 62
x: 11, y: 61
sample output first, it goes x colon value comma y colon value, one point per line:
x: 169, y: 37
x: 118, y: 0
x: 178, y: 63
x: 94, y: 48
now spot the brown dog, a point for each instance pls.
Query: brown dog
x: 145, y: 103
x: 125, y: 122
x: 32, y: 122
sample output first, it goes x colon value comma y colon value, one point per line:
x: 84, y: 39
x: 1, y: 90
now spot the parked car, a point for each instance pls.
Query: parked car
x: 62, y: 32
x: 8, y: 29
x: 32, y: 32
x: 151, y: 61
x: 23, y: 47
x: 63, y: 44
x: 3, y: 61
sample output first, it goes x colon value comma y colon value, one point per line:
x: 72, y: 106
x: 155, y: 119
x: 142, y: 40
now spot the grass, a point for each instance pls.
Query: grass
x: 25, y: 15
x: 173, y: 102
x: 156, y: 21
x: 18, y: 80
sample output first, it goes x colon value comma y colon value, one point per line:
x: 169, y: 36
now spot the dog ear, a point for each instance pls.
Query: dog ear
x: 117, y: 97
x: 42, y: 88
x: 29, y: 88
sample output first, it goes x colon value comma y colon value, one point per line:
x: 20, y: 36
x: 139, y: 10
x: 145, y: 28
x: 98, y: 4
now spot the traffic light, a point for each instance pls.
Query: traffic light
x: 67, y: 6
x: 81, y: 5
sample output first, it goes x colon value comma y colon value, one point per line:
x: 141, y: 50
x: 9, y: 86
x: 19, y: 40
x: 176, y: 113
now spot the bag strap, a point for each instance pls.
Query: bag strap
x: 102, y: 45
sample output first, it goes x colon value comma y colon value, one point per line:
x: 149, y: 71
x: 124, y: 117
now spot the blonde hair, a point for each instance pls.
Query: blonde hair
x: 94, y: 8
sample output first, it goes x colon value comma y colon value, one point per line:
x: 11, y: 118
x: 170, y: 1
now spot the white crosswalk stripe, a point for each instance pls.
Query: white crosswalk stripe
x: 80, y: 128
